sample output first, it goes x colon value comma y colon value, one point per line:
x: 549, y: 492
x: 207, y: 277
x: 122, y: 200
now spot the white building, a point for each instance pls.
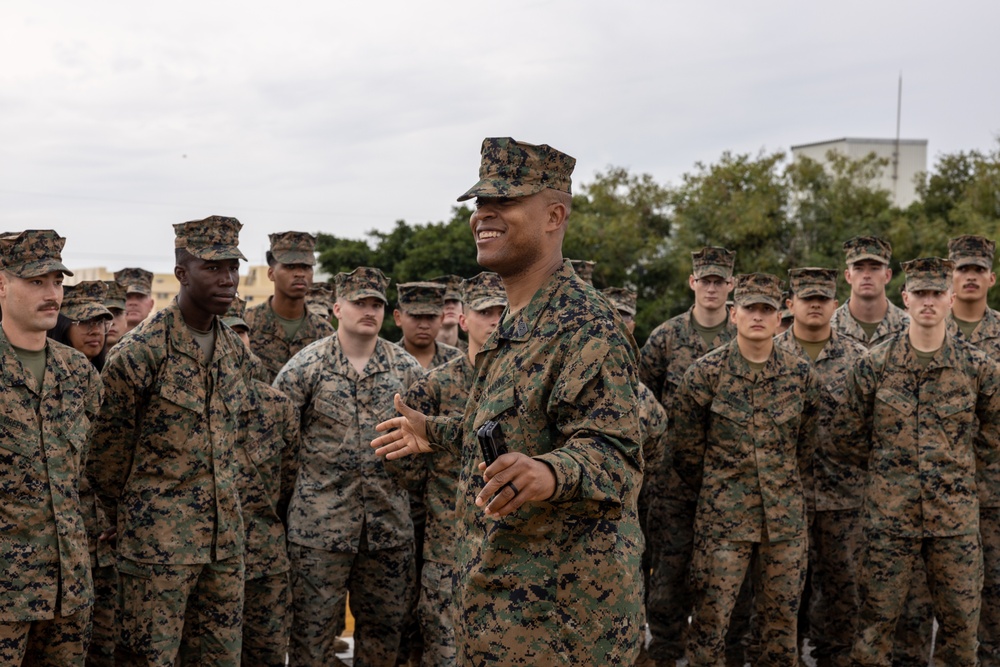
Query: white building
x: 898, y: 177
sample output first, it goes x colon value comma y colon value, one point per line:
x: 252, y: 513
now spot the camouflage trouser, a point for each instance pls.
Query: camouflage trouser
x: 179, y: 614
x: 834, y: 550
x: 669, y: 600
x: 379, y: 583
x: 436, y: 613
x: 266, y: 620
x: 719, y: 568
x: 954, y: 567
x: 989, y: 620
x: 102, y: 642
x: 915, y: 629
x: 58, y: 642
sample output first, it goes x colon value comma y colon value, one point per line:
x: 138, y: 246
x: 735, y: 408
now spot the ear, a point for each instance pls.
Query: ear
x: 462, y: 323
x: 888, y: 274
x: 270, y: 273
x: 336, y: 309
x: 180, y: 272
x: 557, y: 214
x: 691, y: 280
x: 397, y: 317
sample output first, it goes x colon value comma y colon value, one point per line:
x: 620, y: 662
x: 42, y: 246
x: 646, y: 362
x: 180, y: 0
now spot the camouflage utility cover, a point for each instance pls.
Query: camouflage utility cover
x: 361, y: 283
x: 31, y: 253
x: 511, y: 168
x: 293, y: 247
x: 484, y: 290
x: 754, y: 288
x: 972, y: 250
x: 452, y: 285
x: 713, y: 261
x: 928, y: 273
x: 135, y: 281
x: 85, y: 300
x: 811, y: 281
x: 214, y: 238
x: 861, y: 248
x: 421, y: 298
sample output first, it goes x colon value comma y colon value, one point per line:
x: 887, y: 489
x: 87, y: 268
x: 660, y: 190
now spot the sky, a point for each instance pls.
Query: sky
x: 120, y: 119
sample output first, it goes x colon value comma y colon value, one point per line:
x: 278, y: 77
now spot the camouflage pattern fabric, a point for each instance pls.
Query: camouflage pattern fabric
x: 895, y: 321
x: 102, y: 642
x: 669, y: 351
x: 164, y: 461
x: 345, y: 506
x: 56, y: 642
x: 444, y: 353
x: 510, y: 168
x: 718, y: 572
x: 293, y: 247
x: 443, y: 391
x: 379, y: 582
x: 556, y: 581
x: 653, y: 426
x: 986, y: 338
x: 267, y: 337
x: 213, y: 238
x: 267, y: 620
x: 861, y: 248
x: 180, y: 614
x: 926, y: 426
x: 954, y: 566
x: 713, y: 261
x: 745, y: 445
x: 33, y: 252
x: 834, y: 556
x: 43, y: 446
x: 135, y: 281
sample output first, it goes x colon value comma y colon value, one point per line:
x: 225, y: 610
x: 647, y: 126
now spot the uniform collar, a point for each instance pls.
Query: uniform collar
x: 519, y: 326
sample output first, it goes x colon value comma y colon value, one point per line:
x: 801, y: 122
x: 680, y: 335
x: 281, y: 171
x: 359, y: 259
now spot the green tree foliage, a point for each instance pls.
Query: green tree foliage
x: 774, y: 214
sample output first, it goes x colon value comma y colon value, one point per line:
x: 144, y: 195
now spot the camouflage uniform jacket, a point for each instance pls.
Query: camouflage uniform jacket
x: 896, y: 319
x: 267, y: 337
x: 653, y: 425
x: 748, y: 440
x: 443, y: 391
x: 559, y: 378
x: 986, y: 337
x: 668, y: 353
x: 164, y: 459
x: 43, y: 541
x: 95, y: 520
x: 341, y: 486
x: 841, y: 456
x: 269, y: 438
x: 925, y: 426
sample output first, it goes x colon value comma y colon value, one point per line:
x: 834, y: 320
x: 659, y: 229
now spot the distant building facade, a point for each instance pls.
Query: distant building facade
x: 911, y: 161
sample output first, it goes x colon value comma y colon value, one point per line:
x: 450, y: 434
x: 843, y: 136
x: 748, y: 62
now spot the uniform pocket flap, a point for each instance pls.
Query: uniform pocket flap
x: 895, y: 400
x: 187, y: 397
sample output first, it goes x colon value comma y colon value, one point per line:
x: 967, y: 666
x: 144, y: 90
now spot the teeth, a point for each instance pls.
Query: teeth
x: 489, y: 235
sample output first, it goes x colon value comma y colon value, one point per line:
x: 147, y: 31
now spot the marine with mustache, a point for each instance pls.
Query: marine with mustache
x: 974, y: 321
x: 164, y: 463
x: 349, y: 527
x: 49, y: 393
x: 282, y: 326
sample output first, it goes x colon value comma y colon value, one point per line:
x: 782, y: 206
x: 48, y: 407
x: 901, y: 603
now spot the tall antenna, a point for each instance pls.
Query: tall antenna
x: 895, y: 153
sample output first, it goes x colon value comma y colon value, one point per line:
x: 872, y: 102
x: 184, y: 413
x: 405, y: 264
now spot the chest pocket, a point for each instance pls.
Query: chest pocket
x: 836, y: 390
x: 328, y: 410
x: 498, y: 404
x: 17, y: 438
x: 183, y: 396
x: 786, y: 410
x: 892, y: 410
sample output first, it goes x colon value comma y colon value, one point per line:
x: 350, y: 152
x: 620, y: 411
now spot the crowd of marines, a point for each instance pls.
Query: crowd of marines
x: 198, y: 486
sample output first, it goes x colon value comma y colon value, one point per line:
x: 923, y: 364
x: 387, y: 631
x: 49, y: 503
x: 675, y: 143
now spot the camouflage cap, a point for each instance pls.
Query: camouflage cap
x: 622, y: 298
x: 452, y: 286
x: 514, y: 169
x: 33, y: 252
x: 115, y: 297
x: 754, y: 288
x: 713, y: 261
x: 214, y: 238
x: 236, y: 314
x: 85, y: 301
x: 812, y: 281
x: 421, y: 298
x: 135, y: 281
x: 320, y: 299
x: 867, y: 247
x: 928, y: 273
x: 293, y: 247
x: 361, y: 283
x: 484, y: 290
x: 585, y: 269
x: 972, y: 250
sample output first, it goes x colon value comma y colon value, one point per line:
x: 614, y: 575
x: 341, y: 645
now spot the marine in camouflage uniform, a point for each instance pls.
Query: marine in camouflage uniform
x: 978, y: 324
x: 165, y: 463
x: 138, y: 286
x: 434, y: 478
x: 49, y: 394
x: 669, y: 351
x: 868, y: 273
x: 929, y: 402
x: 838, y: 467
x: 419, y: 313
x: 282, y: 326
x: 549, y: 564
x: 268, y: 436
x: 653, y: 426
x: 349, y: 525
x: 320, y: 300
x: 453, y: 308
x: 745, y: 446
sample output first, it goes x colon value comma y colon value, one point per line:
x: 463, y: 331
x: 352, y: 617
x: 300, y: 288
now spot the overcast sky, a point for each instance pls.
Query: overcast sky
x: 119, y: 119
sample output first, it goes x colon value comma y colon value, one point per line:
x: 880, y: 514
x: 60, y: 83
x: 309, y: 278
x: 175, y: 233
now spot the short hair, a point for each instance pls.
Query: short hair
x: 269, y: 257
x: 182, y: 256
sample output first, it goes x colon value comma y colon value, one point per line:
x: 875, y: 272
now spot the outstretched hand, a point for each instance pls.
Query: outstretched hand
x: 407, y: 433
